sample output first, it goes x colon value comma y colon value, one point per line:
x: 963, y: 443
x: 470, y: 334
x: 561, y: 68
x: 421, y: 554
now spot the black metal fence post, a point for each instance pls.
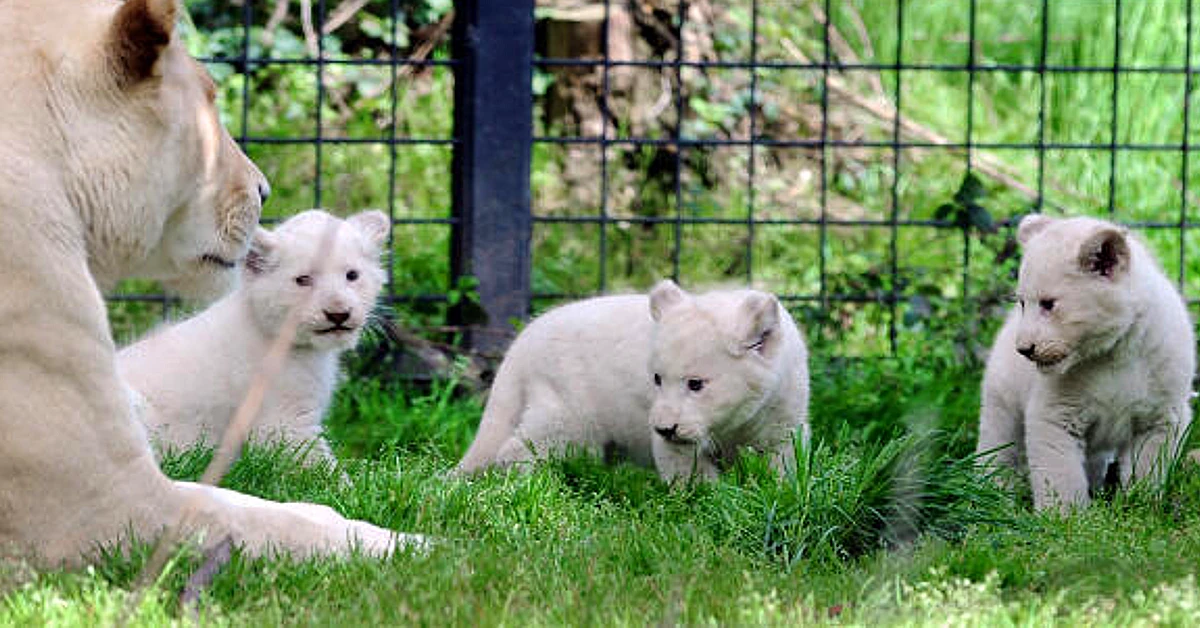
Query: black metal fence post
x: 493, y: 122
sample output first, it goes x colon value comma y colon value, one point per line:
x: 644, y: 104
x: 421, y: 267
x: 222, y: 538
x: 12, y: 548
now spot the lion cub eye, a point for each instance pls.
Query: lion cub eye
x: 658, y: 380
x: 352, y: 275
x: 304, y: 280
x: 695, y: 384
x: 1046, y: 304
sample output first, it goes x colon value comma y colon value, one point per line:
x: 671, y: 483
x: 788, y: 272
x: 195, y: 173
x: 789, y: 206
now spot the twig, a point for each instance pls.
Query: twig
x: 437, y: 356
x: 215, y: 559
x: 277, y: 16
x: 843, y: 48
x: 886, y: 112
x: 235, y: 434
x: 420, y: 53
x: 306, y: 24
x: 342, y: 14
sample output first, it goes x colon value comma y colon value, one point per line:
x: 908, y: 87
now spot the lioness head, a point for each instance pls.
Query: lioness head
x: 164, y: 191
x: 1072, y: 292
x: 710, y: 362
x: 326, y: 266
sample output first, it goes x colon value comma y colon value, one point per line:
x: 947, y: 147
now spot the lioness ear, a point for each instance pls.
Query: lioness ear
x: 374, y: 224
x: 1106, y: 253
x: 663, y: 297
x: 1030, y: 226
x: 757, y: 324
x: 260, y: 258
x: 137, y: 37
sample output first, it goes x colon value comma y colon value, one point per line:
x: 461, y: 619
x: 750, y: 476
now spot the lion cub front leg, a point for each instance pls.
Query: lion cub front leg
x: 1057, y: 459
x: 1154, y: 447
x: 681, y: 461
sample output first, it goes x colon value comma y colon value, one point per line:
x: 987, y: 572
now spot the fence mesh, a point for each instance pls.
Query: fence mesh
x: 345, y: 106
x: 863, y: 159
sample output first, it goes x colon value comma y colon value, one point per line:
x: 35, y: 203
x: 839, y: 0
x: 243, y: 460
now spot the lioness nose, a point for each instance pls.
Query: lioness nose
x: 264, y: 191
x: 337, y: 318
x: 1026, y: 351
x: 667, y: 432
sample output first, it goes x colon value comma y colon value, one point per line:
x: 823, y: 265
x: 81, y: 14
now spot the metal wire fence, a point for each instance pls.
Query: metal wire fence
x: 864, y: 160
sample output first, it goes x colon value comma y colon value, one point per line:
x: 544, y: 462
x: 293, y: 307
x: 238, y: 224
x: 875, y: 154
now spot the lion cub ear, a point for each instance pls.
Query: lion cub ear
x: 1105, y: 253
x: 664, y: 296
x: 138, y: 35
x: 757, y: 327
x: 374, y: 224
x: 1030, y: 226
x: 261, y: 257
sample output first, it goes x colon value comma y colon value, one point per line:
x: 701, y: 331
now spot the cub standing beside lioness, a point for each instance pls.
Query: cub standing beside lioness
x: 677, y: 381
x: 192, y: 376
x: 1094, y: 364
x: 113, y: 163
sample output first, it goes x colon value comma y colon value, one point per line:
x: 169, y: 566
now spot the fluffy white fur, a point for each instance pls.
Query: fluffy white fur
x: 1093, y: 365
x: 113, y: 163
x: 677, y: 381
x: 193, y: 375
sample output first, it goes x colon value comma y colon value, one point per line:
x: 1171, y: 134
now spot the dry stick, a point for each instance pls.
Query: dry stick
x: 342, y: 14
x: 306, y: 24
x: 843, y: 48
x: 420, y: 53
x: 990, y: 167
x: 277, y: 16
x: 887, y: 113
x: 234, y: 436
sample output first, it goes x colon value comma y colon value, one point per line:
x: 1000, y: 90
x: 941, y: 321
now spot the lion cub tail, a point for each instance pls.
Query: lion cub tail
x: 501, y: 416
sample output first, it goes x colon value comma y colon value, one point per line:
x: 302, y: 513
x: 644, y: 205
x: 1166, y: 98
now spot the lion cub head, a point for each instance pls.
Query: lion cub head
x: 328, y: 267
x: 164, y: 191
x: 1074, y: 290
x: 711, y: 362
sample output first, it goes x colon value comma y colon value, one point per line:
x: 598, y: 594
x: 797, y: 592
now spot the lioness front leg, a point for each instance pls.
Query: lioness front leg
x: 1056, y: 463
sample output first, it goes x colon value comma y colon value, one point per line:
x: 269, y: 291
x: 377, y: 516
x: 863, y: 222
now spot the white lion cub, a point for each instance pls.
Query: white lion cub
x: 192, y: 376
x: 679, y: 381
x: 1094, y: 365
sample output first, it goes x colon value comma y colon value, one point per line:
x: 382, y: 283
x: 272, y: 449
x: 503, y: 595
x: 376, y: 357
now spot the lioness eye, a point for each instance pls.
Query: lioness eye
x: 304, y: 280
x: 695, y: 384
x: 352, y: 275
x: 657, y: 380
x: 1046, y: 304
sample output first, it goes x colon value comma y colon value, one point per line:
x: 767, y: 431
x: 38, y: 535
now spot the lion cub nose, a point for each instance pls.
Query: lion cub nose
x: 1026, y: 351
x: 337, y: 318
x: 667, y: 433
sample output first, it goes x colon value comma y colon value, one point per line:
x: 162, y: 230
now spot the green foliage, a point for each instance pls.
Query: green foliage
x: 887, y: 522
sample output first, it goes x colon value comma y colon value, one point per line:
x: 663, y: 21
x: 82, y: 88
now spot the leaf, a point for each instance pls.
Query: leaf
x: 970, y: 191
x: 980, y: 218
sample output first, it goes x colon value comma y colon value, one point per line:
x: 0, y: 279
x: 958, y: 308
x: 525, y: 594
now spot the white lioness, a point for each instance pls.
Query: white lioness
x: 192, y: 376
x: 676, y: 381
x: 113, y: 163
x: 1094, y: 364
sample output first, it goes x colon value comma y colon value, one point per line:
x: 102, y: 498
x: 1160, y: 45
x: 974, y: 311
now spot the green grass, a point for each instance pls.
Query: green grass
x: 885, y: 523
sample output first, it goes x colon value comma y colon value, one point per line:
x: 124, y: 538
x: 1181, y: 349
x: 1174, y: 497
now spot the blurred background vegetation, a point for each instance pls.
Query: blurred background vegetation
x: 930, y: 225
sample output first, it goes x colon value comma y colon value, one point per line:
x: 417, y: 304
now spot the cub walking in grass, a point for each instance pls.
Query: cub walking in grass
x: 1093, y: 365
x: 677, y: 381
x: 188, y: 379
